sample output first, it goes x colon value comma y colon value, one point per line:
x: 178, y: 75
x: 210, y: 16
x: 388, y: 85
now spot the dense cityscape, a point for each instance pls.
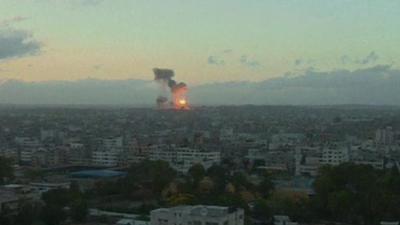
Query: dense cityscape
x: 199, y: 112
x: 225, y: 165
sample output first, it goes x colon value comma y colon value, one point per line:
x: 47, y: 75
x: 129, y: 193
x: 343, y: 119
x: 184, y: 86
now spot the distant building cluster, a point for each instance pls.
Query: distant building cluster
x: 101, y: 144
x: 267, y: 139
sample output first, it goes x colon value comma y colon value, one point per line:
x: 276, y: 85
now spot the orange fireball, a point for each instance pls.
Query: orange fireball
x: 182, y: 102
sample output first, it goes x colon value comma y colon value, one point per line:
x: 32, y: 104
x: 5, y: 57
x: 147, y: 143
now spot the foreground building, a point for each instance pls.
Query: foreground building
x: 197, y: 215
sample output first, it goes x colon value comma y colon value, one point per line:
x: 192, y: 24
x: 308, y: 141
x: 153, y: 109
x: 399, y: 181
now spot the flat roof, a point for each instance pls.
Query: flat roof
x: 97, y: 174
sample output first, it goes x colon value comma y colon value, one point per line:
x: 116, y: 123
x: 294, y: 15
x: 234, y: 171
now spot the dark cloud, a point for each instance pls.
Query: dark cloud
x: 227, y: 55
x: 8, y: 22
x: 251, y: 63
x: 304, y: 63
x: 378, y: 85
x: 370, y: 58
x: 219, y: 58
x: 17, y: 43
x: 215, y: 60
x: 298, y: 62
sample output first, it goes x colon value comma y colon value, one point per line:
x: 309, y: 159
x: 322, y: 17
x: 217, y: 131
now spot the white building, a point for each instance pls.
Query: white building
x: 369, y: 157
x: 28, y: 146
x: 307, y: 160
x: 113, y: 143
x: 384, y: 136
x: 105, y: 158
x: 132, y: 222
x: 182, y: 159
x: 45, y: 187
x: 226, y: 134
x: 47, y: 134
x: 335, y: 155
x: 9, y: 202
x: 288, y: 139
x: 11, y: 153
x: 110, y: 153
x: 197, y: 215
x: 283, y: 220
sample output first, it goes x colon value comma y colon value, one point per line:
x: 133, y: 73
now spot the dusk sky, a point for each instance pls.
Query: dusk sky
x: 202, y: 40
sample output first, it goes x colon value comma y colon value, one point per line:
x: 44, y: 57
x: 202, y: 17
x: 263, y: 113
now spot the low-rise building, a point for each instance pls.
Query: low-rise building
x: 197, y: 215
x: 105, y: 158
x: 182, y: 159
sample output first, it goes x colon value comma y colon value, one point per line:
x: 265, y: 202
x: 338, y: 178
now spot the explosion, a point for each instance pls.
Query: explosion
x: 182, y: 101
x: 177, y: 90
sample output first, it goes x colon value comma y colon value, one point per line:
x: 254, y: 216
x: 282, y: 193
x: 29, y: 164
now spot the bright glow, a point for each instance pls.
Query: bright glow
x: 182, y: 101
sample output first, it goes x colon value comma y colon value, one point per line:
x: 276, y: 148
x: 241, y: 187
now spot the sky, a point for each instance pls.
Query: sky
x: 203, y: 41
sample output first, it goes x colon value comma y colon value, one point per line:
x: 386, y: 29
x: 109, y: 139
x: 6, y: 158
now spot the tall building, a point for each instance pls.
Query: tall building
x: 335, y: 155
x: 384, y: 136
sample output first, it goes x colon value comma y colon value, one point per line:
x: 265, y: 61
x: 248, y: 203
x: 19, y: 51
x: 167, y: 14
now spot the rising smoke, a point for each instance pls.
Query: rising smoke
x: 178, y: 90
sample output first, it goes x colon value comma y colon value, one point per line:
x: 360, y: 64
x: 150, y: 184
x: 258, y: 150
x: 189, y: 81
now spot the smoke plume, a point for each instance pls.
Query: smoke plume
x: 178, y: 90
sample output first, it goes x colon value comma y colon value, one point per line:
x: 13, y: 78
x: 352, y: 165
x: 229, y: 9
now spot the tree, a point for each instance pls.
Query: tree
x: 206, y: 185
x: 357, y: 193
x: 59, y: 197
x: 197, y: 172
x: 261, y: 210
x: 295, y: 205
x: 28, y: 214
x: 239, y: 179
x: 180, y: 199
x: 53, y: 214
x: 265, y: 187
x: 79, y: 210
x: 34, y: 174
x: 6, y: 169
x: 156, y: 174
x: 220, y: 177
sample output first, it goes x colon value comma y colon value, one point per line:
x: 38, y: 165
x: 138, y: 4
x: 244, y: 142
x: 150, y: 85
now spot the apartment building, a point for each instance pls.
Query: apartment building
x: 197, y: 215
x: 182, y: 159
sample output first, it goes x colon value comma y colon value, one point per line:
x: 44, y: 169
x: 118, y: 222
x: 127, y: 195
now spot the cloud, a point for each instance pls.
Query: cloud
x: 227, y: 55
x: 219, y: 58
x: 97, y: 66
x: 298, y: 62
x: 90, y: 2
x: 251, y: 63
x: 371, y: 58
x: 227, y: 51
x: 345, y: 59
x: 305, y: 63
x: 378, y: 85
x: 17, y: 43
x: 215, y: 60
x: 74, y: 4
x: 8, y: 22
